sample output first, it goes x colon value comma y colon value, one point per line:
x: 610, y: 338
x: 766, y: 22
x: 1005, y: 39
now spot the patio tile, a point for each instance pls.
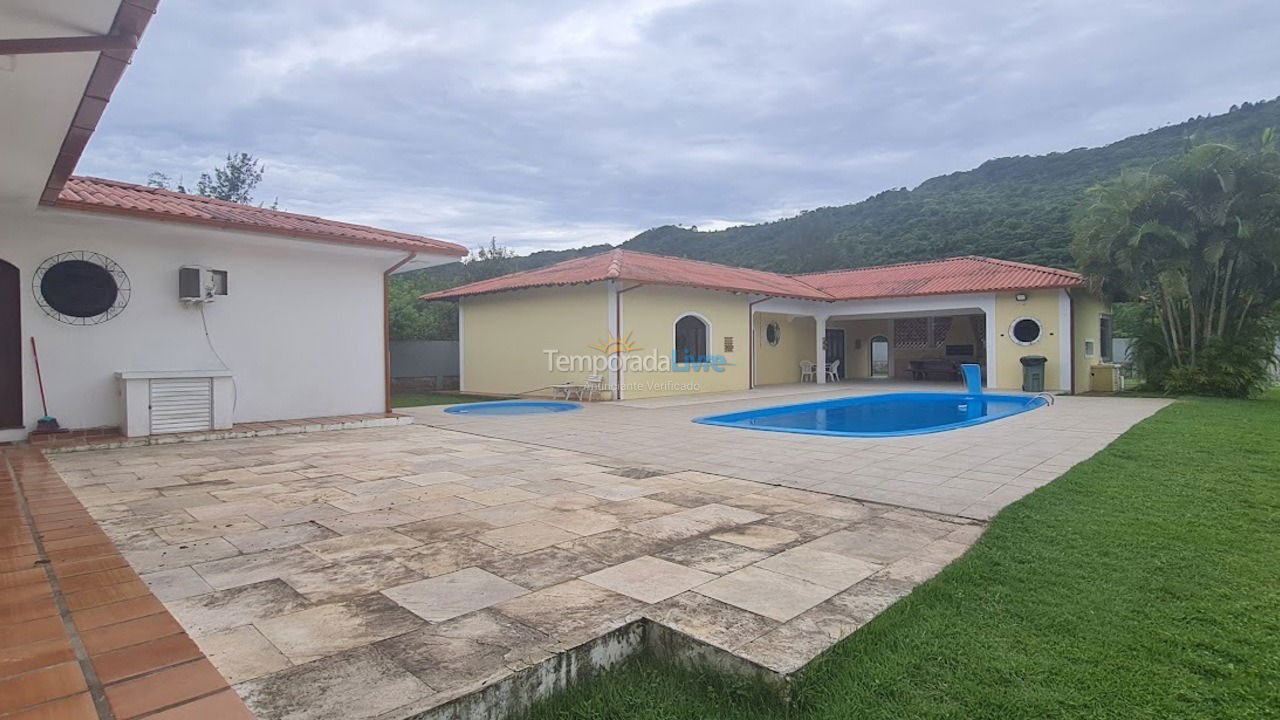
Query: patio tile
x: 620, y: 491
x: 279, y: 537
x: 709, y: 620
x: 525, y: 537
x: 649, y: 579
x: 175, y: 556
x: 441, y: 558
x: 839, y: 509
x: 615, y: 546
x: 763, y: 592
x: 357, y: 685
x: 759, y: 537
x: 720, y: 516
x: 871, y: 596
x: 806, y: 525
x: 225, y: 609
x: 822, y: 568
x: 351, y: 577
x: 573, y: 500
x: 572, y: 612
x: 201, y: 530
x: 447, y: 596
x: 581, y: 522
x: 542, y: 568
x: 467, y: 651
x: 246, y: 569
x: 508, y: 515
x: 176, y: 584
x: 374, y: 542
x: 671, y: 528
x: 637, y: 509
x: 365, y: 521
x: 713, y: 556
x: 449, y: 527
x: 500, y: 496
x: 242, y: 653
x: 329, y: 629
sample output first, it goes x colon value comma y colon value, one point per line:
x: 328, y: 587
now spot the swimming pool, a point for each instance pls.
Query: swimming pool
x: 513, y: 407
x: 880, y: 415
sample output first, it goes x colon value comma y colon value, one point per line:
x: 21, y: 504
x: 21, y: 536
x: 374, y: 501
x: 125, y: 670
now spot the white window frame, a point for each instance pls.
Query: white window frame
x: 705, y: 323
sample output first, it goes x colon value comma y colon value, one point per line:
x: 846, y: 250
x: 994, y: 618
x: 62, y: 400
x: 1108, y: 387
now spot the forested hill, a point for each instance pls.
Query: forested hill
x: 1017, y: 208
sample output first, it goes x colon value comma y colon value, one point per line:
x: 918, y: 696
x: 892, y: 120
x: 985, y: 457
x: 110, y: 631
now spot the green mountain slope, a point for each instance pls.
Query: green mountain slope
x: 1016, y: 208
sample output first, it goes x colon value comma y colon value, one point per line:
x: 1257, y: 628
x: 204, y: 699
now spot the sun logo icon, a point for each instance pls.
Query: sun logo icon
x: 615, y: 346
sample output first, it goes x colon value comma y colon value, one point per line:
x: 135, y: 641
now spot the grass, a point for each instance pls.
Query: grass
x: 1144, y: 583
x: 420, y: 398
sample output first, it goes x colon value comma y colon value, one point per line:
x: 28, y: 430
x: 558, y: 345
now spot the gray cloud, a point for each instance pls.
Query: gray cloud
x: 558, y: 123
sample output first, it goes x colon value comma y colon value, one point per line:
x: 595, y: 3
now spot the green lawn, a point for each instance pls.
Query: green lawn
x: 416, y: 399
x: 1145, y: 583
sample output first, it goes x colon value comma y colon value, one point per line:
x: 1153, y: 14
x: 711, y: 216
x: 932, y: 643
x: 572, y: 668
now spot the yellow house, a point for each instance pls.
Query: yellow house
x: 646, y: 325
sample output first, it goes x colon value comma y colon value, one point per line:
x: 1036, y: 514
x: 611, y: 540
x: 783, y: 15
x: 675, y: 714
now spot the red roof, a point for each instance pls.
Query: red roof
x: 938, y: 277
x: 112, y: 196
x: 970, y: 274
x: 643, y: 268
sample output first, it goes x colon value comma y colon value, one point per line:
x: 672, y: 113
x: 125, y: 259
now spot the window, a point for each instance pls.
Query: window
x: 691, y: 339
x: 911, y: 333
x: 773, y: 333
x: 1025, y: 331
x: 81, y: 288
x: 1104, y: 333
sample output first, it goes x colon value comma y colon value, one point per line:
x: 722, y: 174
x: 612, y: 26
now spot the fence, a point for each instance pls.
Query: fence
x: 425, y: 364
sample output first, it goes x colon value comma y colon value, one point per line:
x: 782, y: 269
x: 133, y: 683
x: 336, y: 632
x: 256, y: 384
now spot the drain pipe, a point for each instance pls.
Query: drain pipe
x: 386, y: 326
x: 1071, y: 339
x: 751, y: 343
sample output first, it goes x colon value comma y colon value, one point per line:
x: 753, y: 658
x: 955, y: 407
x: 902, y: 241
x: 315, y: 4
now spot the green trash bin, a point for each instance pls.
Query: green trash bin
x: 1033, y: 373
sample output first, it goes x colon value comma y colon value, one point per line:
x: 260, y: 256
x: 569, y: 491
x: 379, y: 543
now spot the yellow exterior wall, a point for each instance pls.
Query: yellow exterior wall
x: 1045, y: 306
x: 780, y: 364
x: 504, y: 335
x: 1089, y: 311
x: 857, y: 343
x: 649, y: 315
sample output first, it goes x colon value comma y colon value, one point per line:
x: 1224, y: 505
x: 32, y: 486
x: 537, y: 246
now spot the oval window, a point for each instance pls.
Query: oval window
x: 81, y: 288
x: 1025, y: 330
x: 773, y: 333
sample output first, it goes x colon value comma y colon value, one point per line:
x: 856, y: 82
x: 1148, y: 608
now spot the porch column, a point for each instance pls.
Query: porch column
x: 820, y: 351
x: 991, y: 348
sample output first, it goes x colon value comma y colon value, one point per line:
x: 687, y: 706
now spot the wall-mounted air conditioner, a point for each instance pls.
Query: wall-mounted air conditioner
x: 200, y: 284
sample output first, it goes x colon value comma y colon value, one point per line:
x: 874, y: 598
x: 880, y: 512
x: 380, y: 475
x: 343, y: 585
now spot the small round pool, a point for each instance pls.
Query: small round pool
x: 513, y: 407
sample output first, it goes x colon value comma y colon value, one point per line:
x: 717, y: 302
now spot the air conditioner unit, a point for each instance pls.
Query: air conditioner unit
x: 200, y: 284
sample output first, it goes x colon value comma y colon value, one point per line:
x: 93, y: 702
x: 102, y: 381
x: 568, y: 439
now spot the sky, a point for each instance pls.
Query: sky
x: 551, y: 124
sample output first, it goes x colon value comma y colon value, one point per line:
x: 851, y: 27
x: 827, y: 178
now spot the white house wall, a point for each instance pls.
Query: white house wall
x: 301, y: 327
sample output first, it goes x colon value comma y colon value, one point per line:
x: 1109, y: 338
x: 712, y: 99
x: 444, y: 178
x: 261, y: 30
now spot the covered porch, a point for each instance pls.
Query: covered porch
x: 906, y: 340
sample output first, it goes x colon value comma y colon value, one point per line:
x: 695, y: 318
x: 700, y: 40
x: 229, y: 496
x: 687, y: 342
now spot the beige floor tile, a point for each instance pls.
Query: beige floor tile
x: 759, y: 537
x: 649, y: 579
x: 448, y: 596
x: 441, y: 558
x: 542, y: 568
x: 581, y: 522
x: 500, y: 496
x: 361, y: 684
x: 176, y: 584
x: 713, y: 556
x: 525, y: 537
x: 279, y: 537
x: 572, y: 612
x: 242, y: 654
x: 374, y: 542
x: 823, y: 568
x: 763, y: 592
x: 331, y: 628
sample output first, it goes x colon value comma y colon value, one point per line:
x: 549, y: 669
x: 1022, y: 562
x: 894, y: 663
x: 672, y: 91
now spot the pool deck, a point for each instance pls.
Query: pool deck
x: 406, y: 571
x: 970, y: 472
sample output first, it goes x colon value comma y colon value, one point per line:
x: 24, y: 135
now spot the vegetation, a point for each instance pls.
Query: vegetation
x: 419, y: 398
x: 1195, y: 240
x: 1017, y: 208
x: 233, y: 182
x: 1144, y: 583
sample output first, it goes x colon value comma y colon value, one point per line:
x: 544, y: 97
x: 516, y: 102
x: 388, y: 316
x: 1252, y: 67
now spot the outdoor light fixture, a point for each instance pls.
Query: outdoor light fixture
x: 1020, y: 297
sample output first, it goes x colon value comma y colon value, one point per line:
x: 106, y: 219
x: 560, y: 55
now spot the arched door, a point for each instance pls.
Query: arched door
x: 10, y: 348
x: 879, y: 349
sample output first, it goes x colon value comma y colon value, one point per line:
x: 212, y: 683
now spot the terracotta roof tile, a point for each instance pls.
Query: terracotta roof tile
x: 939, y: 277
x: 111, y: 196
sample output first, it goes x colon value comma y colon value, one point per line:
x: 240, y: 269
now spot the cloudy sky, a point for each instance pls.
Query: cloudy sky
x: 560, y: 123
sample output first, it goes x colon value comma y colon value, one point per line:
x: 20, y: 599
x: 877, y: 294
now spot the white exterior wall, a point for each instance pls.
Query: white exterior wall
x: 301, y: 328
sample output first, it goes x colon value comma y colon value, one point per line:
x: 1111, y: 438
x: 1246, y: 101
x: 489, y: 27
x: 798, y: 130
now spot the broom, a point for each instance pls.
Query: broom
x: 45, y: 424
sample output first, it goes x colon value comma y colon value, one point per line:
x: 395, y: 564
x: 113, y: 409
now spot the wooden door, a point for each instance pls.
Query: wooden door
x: 10, y: 348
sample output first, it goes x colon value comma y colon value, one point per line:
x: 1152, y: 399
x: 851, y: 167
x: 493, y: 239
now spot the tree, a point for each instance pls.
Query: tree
x: 490, y: 261
x: 1196, y: 240
x: 233, y: 182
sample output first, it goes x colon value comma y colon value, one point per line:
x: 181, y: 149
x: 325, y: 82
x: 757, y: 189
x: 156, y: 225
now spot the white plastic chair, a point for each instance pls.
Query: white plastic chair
x: 833, y: 371
x: 808, y: 371
x: 593, y: 387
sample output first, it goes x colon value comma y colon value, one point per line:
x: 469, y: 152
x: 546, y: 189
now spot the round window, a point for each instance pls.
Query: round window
x: 1025, y: 330
x: 773, y: 333
x: 81, y: 288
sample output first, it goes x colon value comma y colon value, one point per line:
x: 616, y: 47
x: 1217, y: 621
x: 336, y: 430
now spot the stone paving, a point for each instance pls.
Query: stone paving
x: 378, y: 573
x: 972, y: 472
x: 374, y: 573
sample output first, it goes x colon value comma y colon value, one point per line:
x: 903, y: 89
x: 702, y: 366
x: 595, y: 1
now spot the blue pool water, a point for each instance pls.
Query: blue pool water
x: 513, y: 407
x: 880, y: 415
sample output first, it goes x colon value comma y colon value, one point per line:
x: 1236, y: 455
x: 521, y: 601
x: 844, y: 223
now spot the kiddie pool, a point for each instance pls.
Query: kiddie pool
x: 890, y: 415
x: 513, y: 407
